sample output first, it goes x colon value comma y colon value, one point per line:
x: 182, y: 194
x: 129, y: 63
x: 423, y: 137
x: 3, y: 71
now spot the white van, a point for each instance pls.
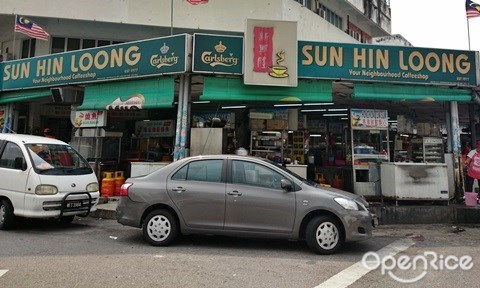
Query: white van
x: 43, y: 178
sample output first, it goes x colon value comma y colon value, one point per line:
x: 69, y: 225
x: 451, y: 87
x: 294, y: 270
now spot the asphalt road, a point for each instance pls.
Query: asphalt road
x: 102, y: 253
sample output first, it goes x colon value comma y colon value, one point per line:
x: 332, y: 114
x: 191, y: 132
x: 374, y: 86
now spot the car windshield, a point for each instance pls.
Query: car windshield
x: 57, y: 159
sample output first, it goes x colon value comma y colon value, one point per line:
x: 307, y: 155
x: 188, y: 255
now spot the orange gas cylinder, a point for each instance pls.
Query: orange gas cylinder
x: 337, y: 182
x: 119, y: 180
x: 108, y: 184
x: 320, y: 178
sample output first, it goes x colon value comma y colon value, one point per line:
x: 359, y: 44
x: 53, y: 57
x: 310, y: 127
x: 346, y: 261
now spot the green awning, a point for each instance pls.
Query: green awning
x: 233, y: 89
x: 22, y: 95
x: 376, y: 91
x: 134, y: 94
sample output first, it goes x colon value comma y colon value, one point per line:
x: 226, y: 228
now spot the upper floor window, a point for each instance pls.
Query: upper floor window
x: 64, y: 44
x: 28, y: 48
x: 330, y: 16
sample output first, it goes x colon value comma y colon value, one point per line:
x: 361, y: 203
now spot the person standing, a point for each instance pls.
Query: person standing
x: 473, y: 167
x: 47, y: 132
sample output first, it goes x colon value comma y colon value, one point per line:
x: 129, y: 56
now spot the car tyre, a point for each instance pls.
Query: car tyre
x: 324, y: 235
x: 6, y: 215
x: 160, y: 228
x: 67, y: 219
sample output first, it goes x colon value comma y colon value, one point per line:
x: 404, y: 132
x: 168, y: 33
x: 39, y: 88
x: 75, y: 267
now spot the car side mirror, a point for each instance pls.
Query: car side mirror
x: 20, y: 164
x: 286, y: 185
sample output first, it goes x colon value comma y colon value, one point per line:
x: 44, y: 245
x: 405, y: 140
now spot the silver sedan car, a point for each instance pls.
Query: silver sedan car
x: 241, y: 196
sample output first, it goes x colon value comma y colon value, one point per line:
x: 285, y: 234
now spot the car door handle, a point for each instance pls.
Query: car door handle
x: 178, y: 190
x: 234, y: 193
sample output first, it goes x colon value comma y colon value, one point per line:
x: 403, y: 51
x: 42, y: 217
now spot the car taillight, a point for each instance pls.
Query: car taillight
x: 124, y: 189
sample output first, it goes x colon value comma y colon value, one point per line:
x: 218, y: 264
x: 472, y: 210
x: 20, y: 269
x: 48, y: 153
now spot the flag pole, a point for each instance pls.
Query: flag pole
x: 468, y: 30
x: 14, y: 33
x: 171, y: 17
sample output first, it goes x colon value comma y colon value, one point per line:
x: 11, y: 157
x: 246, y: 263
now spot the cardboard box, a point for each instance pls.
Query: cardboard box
x: 257, y: 124
x: 277, y: 124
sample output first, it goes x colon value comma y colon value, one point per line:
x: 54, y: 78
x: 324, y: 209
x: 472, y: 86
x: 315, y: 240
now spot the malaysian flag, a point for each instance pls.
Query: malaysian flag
x: 25, y: 26
x: 473, y: 9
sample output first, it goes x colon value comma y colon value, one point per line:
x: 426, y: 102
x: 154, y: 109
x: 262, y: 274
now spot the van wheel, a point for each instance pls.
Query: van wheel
x: 6, y: 215
x: 67, y: 219
x: 160, y: 228
x: 324, y: 235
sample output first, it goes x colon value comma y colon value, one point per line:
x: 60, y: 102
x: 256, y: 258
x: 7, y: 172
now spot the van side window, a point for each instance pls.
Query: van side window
x: 11, y: 151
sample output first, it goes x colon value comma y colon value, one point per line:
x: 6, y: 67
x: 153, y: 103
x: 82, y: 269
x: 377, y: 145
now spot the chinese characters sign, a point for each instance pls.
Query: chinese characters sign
x: 159, y: 128
x: 271, y: 53
x: 262, y: 48
x: 89, y: 118
x: 368, y: 118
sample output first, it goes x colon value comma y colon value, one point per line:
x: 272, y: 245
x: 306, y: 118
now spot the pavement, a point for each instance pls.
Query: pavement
x: 387, y: 214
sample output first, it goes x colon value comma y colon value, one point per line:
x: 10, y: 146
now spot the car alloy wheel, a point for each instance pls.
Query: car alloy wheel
x: 160, y: 228
x: 324, y: 235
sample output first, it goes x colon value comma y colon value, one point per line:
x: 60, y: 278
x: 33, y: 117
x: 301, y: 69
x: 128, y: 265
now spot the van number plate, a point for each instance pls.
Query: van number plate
x: 74, y: 204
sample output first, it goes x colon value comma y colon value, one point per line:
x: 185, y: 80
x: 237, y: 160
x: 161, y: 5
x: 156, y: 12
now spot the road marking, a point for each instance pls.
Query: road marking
x: 350, y: 275
x: 2, y: 272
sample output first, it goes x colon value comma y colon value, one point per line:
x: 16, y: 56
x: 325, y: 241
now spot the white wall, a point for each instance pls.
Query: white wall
x: 218, y: 15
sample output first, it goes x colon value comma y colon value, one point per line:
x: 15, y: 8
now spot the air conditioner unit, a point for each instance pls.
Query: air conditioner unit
x: 67, y: 95
x: 7, y: 56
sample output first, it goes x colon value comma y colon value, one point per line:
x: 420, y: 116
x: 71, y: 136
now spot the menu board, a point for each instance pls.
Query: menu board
x: 368, y: 118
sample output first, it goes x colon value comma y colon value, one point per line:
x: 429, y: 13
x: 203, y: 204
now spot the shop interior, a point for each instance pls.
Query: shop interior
x: 315, y: 140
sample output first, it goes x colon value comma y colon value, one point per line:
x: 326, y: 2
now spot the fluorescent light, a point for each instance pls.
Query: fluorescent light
x: 287, y: 105
x: 201, y: 102
x: 313, y: 104
x: 314, y: 110
x: 315, y: 135
x: 337, y: 109
x: 234, y: 107
x: 344, y: 118
x: 335, y: 115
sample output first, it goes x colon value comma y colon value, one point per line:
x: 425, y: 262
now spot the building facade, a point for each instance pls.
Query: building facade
x: 180, y: 101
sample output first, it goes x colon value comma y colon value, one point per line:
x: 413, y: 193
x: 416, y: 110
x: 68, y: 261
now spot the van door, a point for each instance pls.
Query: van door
x: 13, y: 179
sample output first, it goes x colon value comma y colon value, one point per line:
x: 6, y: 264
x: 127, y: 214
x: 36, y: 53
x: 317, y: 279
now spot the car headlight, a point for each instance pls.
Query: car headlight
x: 92, y: 187
x: 347, y: 203
x: 46, y: 190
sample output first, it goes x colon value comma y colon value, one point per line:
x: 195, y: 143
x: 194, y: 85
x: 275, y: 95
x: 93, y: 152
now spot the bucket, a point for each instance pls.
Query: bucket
x: 470, y: 199
x: 108, y: 184
x: 119, y: 180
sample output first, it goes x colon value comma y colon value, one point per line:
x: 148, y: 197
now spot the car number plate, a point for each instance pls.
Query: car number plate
x: 74, y: 204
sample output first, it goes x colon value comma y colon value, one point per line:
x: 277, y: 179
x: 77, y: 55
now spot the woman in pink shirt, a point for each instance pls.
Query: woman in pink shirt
x: 473, y: 167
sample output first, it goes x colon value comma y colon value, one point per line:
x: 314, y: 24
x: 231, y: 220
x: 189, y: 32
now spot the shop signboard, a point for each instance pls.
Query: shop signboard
x: 394, y: 64
x: 158, y: 128
x: 166, y: 55
x: 217, y: 54
x: 368, y: 119
x: 271, y: 53
x: 89, y: 118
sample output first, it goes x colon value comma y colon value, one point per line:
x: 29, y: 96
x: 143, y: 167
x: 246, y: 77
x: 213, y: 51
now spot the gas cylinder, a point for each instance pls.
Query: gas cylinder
x: 337, y: 181
x: 119, y: 180
x: 108, y: 184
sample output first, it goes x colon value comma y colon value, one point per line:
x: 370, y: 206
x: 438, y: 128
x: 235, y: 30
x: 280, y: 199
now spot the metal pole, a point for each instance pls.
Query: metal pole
x: 171, y: 18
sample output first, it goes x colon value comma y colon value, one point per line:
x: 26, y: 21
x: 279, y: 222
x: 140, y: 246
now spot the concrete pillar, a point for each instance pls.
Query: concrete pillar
x: 456, y: 150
